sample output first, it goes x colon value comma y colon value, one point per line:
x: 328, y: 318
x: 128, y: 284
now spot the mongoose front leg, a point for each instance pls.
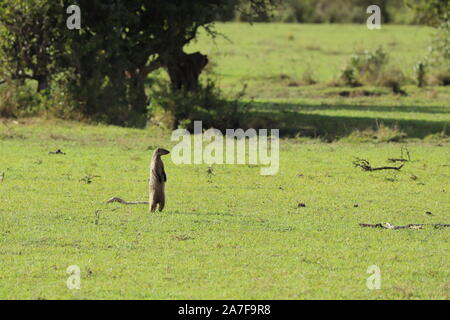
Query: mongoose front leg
x: 161, y: 204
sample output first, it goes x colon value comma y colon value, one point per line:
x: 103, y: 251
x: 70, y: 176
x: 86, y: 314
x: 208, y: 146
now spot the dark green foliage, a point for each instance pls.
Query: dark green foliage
x: 104, y: 65
x: 32, y: 37
x: 420, y: 70
x: 430, y: 12
x: 365, y: 67
x: 337, y: 11
x: 208, y: 104
x: 349, y: 77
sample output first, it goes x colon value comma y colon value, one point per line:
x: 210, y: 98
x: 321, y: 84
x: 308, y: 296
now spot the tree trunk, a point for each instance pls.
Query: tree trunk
x: 43, y: 83
x: 184, y: 69
x: 137, y: 96
x: 136, y: 100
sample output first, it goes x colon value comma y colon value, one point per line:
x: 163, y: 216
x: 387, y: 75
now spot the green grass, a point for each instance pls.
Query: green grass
x: 258, y: 52
x: 263, y: 57
x: 235, y: 234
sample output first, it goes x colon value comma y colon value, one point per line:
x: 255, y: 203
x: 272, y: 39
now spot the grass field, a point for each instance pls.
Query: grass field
x: 272, y: 58
x: 235, y: 234
x: 261, y: 52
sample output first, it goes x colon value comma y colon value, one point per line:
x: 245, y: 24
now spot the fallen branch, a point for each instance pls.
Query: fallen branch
x: 401, y: 159
x: 397, y: 160
x: 387, y: 225
x: 57, y: 152
x: 365, y: 165
x: 116, y: 199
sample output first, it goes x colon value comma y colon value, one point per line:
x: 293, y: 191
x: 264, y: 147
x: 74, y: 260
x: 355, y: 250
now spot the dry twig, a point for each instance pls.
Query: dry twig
x: 365, y: 165
x: 116, y: 199
x: 387, y: 225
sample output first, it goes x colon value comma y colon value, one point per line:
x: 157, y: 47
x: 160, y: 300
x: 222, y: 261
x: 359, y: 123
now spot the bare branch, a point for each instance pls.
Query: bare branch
x: 120, y: 200
x: 387, y: 225
x: 365, y: 165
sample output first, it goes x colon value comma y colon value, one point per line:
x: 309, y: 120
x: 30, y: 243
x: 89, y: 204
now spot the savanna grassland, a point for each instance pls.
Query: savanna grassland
x: 277, y: 62
x: 229, y: 232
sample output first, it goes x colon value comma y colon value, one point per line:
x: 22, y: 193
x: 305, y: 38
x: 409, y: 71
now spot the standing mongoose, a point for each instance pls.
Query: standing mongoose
x: 157, y: 180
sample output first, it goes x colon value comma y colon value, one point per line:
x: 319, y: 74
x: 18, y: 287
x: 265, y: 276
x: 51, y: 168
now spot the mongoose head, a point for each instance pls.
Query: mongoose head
x: 160, y: 152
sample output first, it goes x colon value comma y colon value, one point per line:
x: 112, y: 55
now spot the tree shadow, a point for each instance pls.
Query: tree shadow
x: 309, y: 107
x: 292, y: 120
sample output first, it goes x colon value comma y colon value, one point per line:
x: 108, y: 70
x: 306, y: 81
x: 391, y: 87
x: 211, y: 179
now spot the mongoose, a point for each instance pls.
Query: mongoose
x: 157, y: 180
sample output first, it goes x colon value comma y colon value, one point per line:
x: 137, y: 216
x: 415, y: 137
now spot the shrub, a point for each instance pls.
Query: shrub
x: 420, y: 70
x: 349, y: 77
x: 365, y: 67
x: 173, y: 109
x: 393, y: 79
x: 371, y: 68
x: 308, y: 77
x: 381, y: 133
x: 439, y: 55
x: 18, y: 99
x: 443, y: 78
x: 369, y: 64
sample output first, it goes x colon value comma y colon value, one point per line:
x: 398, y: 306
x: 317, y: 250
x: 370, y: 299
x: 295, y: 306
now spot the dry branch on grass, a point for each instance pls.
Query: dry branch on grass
x: 57, y: 152
x: 387, y: 225
x: 116, y: 199
x: 365, y: 165
x: 397, y: 160
x: 402, y: 158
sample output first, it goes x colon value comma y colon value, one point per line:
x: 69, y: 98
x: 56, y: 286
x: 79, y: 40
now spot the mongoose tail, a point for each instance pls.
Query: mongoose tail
x: 157, y: 181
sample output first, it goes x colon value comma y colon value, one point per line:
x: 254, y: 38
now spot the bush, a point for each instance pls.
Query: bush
x: 392, y: 78
x: 380, y: 134
x: 438, y: 58
x: 338, y: 11
x: 420, y: 70
x: 308, y: 77
x: 349, y: 77
x: 18, y: 99
x: 443, y: 78
x: 369, y: 65
x: 173, y: 109
x: 371, y: 68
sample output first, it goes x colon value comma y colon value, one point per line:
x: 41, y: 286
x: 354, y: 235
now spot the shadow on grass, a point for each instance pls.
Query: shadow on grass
x: 304, y: 107
x: 292, y: 120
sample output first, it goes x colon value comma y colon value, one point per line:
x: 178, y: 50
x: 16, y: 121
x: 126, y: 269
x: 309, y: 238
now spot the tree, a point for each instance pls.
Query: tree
x: 435, y: 13
x: 107, y: 61
x: 430, y: 12
x: 30, y: 39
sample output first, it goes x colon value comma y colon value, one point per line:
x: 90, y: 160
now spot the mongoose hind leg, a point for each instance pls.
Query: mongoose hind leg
x: 153, y: 206
x: 161, y: 205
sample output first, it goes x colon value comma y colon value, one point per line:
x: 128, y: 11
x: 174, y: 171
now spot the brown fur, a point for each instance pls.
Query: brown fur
x: 157, y: 181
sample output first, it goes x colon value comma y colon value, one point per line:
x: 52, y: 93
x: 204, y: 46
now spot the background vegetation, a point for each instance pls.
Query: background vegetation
x: 111, y: 69
x: 336, y: 92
